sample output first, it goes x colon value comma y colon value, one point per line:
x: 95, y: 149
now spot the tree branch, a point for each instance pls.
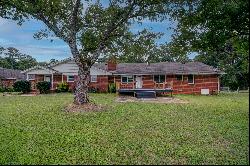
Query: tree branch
x: 112, y: 27
x: 72, y: 36
x: 74, y: 17
x: 51, y: 26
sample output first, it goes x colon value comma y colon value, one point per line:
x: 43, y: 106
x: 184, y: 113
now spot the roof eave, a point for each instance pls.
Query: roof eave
x: 41, y: 67
x: 156, y: 73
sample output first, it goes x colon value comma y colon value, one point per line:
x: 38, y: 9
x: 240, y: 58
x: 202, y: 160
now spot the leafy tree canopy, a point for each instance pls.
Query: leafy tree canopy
x: 12, y: 58
x: 218, y: 31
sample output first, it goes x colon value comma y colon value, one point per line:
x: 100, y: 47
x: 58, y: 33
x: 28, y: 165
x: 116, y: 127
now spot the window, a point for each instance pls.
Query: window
x: 47, y: 78
x: 159, y: 78
x: 127, y: 79
x: 31, y: 76
x: 93, y: 78
x: 190, y: 79
x: 70, y: 78
x: 179, y: 77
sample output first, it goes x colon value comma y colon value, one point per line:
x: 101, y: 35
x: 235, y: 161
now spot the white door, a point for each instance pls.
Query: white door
x: 138, y: 82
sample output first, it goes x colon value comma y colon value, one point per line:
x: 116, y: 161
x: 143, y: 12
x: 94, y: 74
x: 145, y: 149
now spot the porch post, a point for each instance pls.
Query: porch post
x: 52, y: 80
x: 62, y: 77
x: 27, y: 77
x: 218, y: 84
x: 134, y: 80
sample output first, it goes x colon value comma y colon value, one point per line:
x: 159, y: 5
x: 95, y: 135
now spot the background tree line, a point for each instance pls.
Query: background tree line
x: 12, y: 58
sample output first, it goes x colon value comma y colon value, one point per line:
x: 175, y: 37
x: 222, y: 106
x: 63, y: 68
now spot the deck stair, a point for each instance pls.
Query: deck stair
x: 145, y: 94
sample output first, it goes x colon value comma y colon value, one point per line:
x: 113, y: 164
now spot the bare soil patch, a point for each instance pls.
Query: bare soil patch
x: 88, y: 107
x: 124, y: 99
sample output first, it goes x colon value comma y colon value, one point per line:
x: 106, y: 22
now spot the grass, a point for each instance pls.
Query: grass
x: 208, y: 130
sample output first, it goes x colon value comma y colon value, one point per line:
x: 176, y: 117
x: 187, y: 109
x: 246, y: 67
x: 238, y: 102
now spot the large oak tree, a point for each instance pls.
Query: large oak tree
x: 90, y: 28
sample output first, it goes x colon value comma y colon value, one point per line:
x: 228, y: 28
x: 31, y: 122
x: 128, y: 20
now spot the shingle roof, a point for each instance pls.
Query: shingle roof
x: 162, y: 68
x: 154, y: 68
x: 40, y: 67
x: 10, y: 74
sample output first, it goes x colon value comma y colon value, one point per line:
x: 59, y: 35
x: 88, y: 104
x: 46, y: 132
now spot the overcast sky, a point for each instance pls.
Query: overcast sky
x: 21, y: 37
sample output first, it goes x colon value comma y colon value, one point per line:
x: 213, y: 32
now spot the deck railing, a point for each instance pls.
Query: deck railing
x: 151, y: 85
x: 130, y: 85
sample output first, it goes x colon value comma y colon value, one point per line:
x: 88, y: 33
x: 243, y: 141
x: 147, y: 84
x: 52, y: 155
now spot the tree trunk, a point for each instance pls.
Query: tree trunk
x: 81, y: 88
x: 84, y: 63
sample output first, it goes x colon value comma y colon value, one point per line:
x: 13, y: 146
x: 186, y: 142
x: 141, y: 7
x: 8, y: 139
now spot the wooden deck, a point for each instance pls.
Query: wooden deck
x: 145, y: 90
x: 154, y: 88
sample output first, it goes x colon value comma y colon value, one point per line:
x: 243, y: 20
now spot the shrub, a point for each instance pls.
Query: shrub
x: 1, y: 89
x: 93, y: 90
x: 10, y: 90
x: 112, y: 88
x: 62, y: 87
x: 21, y: 86
x: 43, y: 86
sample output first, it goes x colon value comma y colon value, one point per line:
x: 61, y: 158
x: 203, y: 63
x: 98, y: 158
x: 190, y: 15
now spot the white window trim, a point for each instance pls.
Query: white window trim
x: 159, y: 77
x: 92, y: 77
x: 68, y: 78
x: 181, y: 78
x: 193, y: 79
x: 127, y: 79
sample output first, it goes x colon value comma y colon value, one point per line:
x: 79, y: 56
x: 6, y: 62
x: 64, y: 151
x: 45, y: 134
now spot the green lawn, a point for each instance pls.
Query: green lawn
x: 208, y: 130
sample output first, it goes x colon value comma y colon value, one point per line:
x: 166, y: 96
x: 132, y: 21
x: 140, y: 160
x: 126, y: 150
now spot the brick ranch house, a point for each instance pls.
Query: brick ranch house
x: 9, y: 76
x: 188, y: 78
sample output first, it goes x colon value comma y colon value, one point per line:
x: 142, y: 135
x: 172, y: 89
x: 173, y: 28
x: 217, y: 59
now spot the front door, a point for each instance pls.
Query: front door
x: 138, y: 82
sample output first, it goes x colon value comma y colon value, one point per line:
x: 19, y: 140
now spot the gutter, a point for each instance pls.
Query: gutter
x: 167, y: 73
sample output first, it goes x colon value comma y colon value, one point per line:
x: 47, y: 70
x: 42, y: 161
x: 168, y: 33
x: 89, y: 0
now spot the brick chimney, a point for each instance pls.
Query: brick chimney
x: 111, y: 66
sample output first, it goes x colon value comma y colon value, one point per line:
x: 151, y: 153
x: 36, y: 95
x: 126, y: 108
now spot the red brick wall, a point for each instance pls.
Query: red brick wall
x: 200, y: 82
x: 111, y: 79
x: 38, y: 78
x: 7, y: 83
x: 57, y: 79
x: 71, y: 84
x: 180, y: 87
x: 148, y: 82
x: 101, y: 84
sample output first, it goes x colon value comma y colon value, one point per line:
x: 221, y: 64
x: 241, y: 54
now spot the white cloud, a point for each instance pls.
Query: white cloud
x: 5, y: 42
x: 2, y: 22
x: 45, y: 53
x: 21, y: 37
